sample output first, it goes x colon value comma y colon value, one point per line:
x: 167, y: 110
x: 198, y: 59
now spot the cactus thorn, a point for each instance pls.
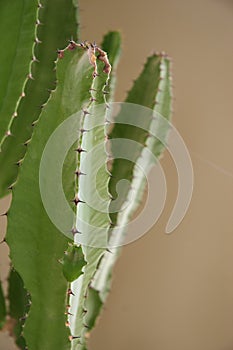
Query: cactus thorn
x: 37, y: 41
x: 71, y: 337
x: 76, y: 200
x: 81, y: 44
x: 34, y: 123
x: 23, y: 318
x: 74, y: 231
x: 30, y: 76
x: 69, y: 292
x: 27, y: 142
x: 72, y: 45
x: 83, y: 130
x: 93, y: 99
x: 19, y: 162
x: 111, y: 224
x: 60, y: 53
x: 85, y: 112
x: 69, y: 313
x: 34, y: 59
x: 109, y: 251
x: 11, y: 186
x: 8, y: 133
x: 80, y: 150
x: 86, y: 326
x: 67, y: 324
x: 78, y: 173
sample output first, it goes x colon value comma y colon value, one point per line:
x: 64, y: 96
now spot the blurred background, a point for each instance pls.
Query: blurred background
x: 175, y: 292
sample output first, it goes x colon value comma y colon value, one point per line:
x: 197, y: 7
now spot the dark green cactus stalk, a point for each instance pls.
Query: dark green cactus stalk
x: 2, y: 308
x: 19, y: 304
x: 63, y: 279
x: 28, y: 72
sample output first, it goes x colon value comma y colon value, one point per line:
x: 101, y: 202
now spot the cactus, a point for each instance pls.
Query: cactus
x: 2, y: 308
x: 63, y: 279
x: 19, y: 304
x: 37, y: 30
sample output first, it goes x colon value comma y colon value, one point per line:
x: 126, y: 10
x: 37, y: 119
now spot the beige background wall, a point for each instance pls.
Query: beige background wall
x: 176, y: 292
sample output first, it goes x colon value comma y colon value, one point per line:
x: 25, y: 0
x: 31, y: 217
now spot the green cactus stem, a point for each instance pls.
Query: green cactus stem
x: 28, y: 72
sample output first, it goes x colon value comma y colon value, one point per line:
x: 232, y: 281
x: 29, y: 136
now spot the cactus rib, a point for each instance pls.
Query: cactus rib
x: 53, y: 27
x: 16, y: 57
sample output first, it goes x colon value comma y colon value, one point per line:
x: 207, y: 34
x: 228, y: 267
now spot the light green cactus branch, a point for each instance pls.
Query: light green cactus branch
x: 152, y: 89
x: 93, y: 214
x: 157, y: 72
